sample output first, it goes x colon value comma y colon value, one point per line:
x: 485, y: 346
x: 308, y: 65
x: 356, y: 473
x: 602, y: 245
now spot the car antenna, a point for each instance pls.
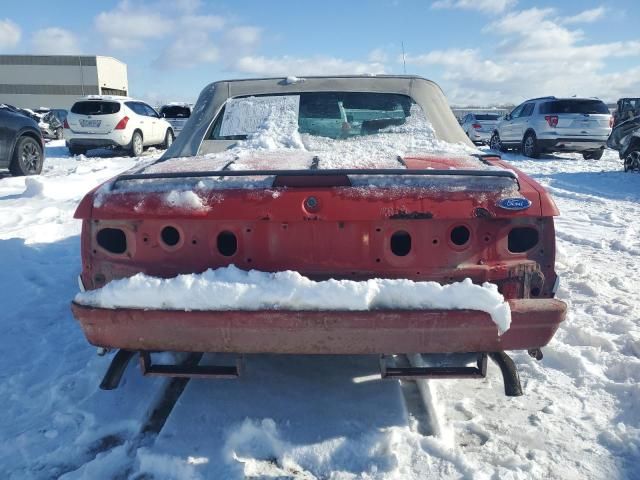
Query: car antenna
x: 404, y: 63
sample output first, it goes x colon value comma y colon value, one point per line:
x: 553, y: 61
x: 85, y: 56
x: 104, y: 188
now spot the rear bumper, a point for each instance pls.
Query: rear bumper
x: 92, y: 143
x: 572, y: 144
x: 115, y: 138
x: 533, y: 324
x: 480, y: 137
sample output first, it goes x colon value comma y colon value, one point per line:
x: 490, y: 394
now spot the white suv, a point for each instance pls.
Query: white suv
x: 550, y: 124
x: 115, y: 122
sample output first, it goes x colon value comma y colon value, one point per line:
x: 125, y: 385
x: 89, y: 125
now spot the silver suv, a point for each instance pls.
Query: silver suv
x: 479, y: 126
x: 550, y: 124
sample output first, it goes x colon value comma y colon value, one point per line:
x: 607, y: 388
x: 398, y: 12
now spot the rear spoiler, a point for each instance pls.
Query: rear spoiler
x: 328, y: 177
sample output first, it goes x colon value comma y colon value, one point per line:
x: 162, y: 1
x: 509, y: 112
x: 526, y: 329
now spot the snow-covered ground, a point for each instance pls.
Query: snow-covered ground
x: 321, y: 417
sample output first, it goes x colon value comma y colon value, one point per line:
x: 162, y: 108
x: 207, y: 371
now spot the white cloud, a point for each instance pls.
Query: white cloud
x: 177, y: 29
x: 286, y: 65
x: 10, y: 34
x: 244, y: 37
x: 588, y: 16
x: 534, y: 54
x: 202, y: 22
x: 451, y: 57
x: 488, y: 6
x: 187, y: 6
x: 127, y: 28
x: 378, y: 55
x: 189, y: 50
x: 55, y: 41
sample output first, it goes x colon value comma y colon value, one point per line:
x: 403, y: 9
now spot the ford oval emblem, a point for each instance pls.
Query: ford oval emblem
x: 514, y: 203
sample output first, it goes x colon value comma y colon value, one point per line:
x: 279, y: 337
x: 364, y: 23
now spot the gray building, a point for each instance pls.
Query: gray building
x: 56, y: 81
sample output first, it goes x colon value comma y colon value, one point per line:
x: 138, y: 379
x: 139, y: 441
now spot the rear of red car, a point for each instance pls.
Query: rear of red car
x: 325, y: 232
x: 423, y: 217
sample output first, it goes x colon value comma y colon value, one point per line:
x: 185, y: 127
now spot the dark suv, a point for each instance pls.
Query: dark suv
x: 21, y: 143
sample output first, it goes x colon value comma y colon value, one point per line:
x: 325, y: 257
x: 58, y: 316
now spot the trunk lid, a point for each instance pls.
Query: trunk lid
x: 278, y: 185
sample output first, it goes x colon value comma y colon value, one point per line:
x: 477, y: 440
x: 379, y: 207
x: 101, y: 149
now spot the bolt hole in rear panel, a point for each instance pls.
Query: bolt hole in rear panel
x: 522, y: 239
x: 113, y: 240
x: 227, y: 243
x: 170, y: 236
x: 401, y: 243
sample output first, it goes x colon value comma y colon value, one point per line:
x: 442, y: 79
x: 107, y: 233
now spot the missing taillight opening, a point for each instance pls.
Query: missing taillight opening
x: 227, y: 243
x: 460, y: 235
x: 522, y: 239
x: 401, y: 243
x: 113, y: 240
x: 170, y: 236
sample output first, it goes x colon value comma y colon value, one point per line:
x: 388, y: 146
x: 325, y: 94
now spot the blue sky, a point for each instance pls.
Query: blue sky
x: 479, y: 51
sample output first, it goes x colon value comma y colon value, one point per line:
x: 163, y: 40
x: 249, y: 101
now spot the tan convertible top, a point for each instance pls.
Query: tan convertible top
x: 424, y: 92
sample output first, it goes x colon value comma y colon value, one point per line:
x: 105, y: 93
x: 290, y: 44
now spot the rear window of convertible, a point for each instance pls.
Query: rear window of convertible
x: 334, y: 115
x: 95, y: 108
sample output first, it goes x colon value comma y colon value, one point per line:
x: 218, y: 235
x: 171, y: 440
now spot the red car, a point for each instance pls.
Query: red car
x: 347, y: 178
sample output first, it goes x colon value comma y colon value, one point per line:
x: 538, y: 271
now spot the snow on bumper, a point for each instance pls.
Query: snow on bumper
x: 230, y: 288
x: 533, y: 324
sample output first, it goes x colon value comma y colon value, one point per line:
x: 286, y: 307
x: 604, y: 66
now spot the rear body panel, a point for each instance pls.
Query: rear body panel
x: 574, y: 132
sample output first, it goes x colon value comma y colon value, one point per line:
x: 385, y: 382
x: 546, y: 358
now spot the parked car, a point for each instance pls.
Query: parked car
x: 550, y: 124
x: 51, y: 126
x: 115, y: 122
x: 59, y: 113
x: 625, y: 138
x: 21, y: 143
x: 176, y: 114
x: 306, y: 176
x: 626, y: 109
x: 480, y: 126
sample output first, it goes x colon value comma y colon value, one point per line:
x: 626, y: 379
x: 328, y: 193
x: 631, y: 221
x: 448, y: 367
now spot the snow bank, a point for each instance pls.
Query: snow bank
x: 230, y: 288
